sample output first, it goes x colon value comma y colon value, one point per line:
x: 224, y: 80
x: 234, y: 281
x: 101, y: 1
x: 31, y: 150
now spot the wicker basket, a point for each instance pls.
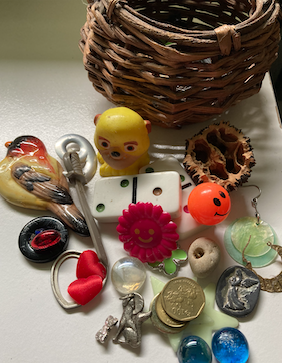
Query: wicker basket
x: 179, y: 62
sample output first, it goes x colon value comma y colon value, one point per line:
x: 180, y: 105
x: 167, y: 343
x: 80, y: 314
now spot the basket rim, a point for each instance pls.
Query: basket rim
x: 124, y: 12
x: 221, y: 68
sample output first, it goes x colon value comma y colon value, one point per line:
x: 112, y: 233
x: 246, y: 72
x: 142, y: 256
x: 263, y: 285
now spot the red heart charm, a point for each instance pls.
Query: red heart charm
x: 88, y: 264
x: 84, y: 290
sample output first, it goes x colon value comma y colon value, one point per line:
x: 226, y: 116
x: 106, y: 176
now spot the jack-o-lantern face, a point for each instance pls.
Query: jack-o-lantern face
x: 209, y: 203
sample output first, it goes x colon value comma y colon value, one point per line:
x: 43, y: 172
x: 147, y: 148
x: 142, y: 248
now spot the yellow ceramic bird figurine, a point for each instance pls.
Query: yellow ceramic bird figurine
x: 31, y: 178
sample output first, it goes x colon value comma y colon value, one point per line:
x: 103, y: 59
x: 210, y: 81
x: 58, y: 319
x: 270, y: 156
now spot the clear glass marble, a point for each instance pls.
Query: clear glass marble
x: 128, y: 275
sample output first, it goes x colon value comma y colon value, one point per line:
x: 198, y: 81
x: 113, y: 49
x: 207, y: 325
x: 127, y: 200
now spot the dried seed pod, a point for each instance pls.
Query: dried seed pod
x: 219, y: 153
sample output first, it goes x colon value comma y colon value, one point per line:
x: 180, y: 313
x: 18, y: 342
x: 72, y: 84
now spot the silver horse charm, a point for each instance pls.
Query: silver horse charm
x: 129, y: 330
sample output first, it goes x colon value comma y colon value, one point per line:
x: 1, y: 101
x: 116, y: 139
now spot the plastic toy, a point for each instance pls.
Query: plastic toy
x: 114, y: 194
x: 121, y: 136
x: 31, y: 178
x: 209, y: 203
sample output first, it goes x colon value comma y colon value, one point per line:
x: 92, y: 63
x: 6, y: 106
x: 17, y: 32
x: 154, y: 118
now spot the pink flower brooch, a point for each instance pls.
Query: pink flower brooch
x: 147, y: 232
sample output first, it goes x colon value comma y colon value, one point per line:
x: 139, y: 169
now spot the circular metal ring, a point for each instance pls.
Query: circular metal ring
x: 55, y: 281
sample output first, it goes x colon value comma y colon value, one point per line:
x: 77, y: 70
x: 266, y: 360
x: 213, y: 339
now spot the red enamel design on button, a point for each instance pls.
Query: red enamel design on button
x: 45, y: 239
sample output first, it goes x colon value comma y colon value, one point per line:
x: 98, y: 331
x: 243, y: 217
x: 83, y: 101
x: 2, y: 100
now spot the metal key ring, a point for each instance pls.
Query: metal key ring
x: 55, y: 279
x: 85, y: 151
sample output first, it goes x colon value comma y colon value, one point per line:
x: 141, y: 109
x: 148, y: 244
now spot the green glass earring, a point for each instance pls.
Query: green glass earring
x: 258, y: 251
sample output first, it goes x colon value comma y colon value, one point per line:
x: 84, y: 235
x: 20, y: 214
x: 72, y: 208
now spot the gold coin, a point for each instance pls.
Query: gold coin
x: 158, y: 324
x: 164, y: 317
x: 183, y: 299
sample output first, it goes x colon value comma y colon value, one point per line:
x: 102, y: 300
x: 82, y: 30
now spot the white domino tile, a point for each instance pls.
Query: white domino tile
x: 114, y: 194
x: 186, y: 224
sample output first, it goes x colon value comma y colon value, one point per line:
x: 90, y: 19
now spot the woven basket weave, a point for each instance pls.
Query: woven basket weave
x: 179, y: 62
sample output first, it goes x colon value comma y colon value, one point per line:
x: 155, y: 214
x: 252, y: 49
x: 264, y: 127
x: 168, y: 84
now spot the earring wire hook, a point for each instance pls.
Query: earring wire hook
x: 255, y: 201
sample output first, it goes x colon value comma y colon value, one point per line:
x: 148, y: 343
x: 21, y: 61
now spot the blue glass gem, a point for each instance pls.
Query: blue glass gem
x: 194, y: 349
x: 229, y: 345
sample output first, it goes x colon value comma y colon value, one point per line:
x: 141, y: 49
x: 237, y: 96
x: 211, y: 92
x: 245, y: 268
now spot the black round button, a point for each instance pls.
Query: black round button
x: 237, y: 291
x: 56, y: 244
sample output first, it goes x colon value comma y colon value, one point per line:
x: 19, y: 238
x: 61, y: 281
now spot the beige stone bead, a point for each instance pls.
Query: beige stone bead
x: 203, y: 256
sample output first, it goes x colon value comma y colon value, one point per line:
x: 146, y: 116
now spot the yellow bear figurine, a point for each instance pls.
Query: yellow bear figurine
x: 121, y: 137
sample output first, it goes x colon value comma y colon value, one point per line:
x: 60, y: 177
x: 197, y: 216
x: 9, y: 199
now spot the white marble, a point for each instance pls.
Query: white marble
x: 128, y: 275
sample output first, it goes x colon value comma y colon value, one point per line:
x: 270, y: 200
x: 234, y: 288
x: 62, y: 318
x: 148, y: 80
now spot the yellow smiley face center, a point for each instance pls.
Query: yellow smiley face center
x: 144, y: 240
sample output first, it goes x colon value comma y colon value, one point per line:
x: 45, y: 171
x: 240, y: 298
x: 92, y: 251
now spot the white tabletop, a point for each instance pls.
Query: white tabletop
x: 52, y: 97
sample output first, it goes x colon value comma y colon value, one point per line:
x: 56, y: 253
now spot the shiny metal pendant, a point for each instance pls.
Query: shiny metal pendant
x: 102, y: 334
x: 129, y: 330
